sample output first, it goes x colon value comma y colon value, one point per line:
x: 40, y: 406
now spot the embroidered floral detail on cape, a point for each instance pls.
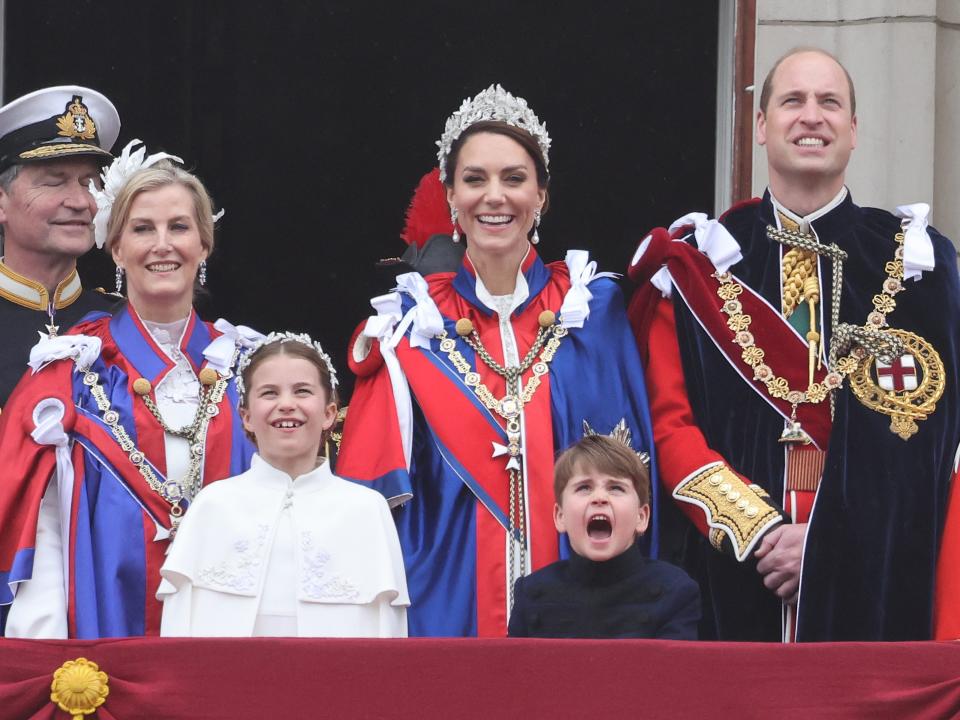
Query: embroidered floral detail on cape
x: 241, y: 571
x: 316, y: 581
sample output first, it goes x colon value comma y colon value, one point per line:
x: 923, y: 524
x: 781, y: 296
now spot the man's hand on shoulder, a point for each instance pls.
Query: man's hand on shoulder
x: 779, y: 555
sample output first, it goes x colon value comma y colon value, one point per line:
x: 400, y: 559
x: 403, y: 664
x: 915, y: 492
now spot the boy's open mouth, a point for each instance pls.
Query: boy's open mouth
x: 599, y: 527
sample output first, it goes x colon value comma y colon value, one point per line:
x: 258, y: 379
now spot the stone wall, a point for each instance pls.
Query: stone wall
x: 904, y: 57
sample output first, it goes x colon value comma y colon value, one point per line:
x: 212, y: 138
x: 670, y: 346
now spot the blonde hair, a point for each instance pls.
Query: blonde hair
x: 158, y: 176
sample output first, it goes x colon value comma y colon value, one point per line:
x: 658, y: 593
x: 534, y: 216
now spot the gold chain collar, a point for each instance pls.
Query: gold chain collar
x: 208, y: 377
x: 509, y: 407
x: 753, y: 355
x: 178, y: 493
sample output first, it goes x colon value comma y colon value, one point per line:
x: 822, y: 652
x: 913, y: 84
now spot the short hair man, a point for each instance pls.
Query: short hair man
x: 803, y: 385
x: 52, y: 144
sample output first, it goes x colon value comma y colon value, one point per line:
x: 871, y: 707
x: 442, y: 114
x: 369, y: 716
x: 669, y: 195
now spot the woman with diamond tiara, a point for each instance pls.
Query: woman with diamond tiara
x: 470, y: 381
x: 123, y: 420
x: 287, y: 548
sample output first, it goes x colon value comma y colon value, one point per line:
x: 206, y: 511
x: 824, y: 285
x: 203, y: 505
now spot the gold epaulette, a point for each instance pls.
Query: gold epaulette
x: 735, y: 509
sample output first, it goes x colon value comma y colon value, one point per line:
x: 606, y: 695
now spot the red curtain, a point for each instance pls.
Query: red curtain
x: 421, y: 678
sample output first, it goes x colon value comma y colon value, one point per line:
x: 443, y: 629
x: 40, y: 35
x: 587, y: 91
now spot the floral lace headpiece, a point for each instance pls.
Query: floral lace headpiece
x: 494, y: 103
x: 282, y: 337
x: 126, y: 164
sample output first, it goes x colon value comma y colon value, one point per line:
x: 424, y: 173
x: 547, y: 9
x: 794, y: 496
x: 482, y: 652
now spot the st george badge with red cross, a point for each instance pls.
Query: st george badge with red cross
x: 898, y: 376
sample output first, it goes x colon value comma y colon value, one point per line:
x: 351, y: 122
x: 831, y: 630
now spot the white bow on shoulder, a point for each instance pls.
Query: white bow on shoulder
x: 424, y: 317
x: 713, y: 240
x: 576, y: 303
x: 84, y: 349
x: 917, y: 246
x: 219, y: 353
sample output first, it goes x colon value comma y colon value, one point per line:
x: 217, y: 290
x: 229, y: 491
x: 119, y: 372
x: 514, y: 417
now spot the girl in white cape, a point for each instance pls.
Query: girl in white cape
x: 286, y: 548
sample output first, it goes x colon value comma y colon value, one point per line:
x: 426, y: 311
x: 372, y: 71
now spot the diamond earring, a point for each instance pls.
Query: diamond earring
x: 119, y: 278
x: 536, y: 225
x: 203, y: 272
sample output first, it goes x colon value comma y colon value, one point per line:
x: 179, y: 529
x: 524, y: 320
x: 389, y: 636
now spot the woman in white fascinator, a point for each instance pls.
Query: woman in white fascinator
x: 122, y: 420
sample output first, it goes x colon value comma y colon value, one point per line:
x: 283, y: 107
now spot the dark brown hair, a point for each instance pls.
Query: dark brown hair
x: 519, y: 135
x: 291, y: 348
x: 604, y: 454
x: 767, y: 89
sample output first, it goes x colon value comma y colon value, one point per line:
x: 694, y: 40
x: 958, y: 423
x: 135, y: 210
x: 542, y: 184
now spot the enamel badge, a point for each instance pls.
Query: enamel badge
x: 907, y: 389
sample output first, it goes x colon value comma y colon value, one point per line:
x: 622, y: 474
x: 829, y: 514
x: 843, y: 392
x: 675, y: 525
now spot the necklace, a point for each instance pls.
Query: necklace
x: 509, y: 407
x: 857, y: 342
x: 178, y: 493
x: 208, y: 377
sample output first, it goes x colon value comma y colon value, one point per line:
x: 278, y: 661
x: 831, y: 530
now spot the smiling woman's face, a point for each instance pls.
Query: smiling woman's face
x: 496, y: 194
x: 160, y: 250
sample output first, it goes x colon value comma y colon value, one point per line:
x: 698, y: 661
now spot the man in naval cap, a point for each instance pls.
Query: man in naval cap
x: 53, y: 142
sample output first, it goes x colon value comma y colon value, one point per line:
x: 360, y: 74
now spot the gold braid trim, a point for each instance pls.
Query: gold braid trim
x: 797, y: 266
x: 734, y: 508
x: 60, y: 149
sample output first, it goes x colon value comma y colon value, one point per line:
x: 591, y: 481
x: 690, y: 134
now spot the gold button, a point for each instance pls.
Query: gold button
x: 547, y: 318
x: 742, y: 504
x: 733, y: 496
x: 725, y: 488
x: 464, y: 327
x: 208, y: 376
x: 141, y: 386
x: 715, y: 479
x: 752, y: 512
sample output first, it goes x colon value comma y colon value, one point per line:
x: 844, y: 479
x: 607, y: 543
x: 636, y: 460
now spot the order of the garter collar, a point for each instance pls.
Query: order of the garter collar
x: 494, y: 103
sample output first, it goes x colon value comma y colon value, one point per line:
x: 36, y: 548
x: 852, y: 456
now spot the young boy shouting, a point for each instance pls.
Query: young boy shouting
x: 607, y: 589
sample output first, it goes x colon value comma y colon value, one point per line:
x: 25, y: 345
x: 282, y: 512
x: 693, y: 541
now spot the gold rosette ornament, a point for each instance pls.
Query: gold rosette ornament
x: 79, y: 687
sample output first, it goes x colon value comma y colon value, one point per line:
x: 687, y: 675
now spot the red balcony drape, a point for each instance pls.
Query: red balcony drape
x: 436, y: 678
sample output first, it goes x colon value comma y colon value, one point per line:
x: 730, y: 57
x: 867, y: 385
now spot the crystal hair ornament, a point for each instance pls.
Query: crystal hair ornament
x: 282, y: 337
x: 115, y: 177
x: 496, y: 104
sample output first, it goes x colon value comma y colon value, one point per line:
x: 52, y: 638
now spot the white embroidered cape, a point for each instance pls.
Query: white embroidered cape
x: 263, y: 554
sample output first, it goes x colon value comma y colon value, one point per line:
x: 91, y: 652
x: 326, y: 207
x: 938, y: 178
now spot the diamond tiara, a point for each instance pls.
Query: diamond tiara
x: 494, y: 103
x: 282, y: 337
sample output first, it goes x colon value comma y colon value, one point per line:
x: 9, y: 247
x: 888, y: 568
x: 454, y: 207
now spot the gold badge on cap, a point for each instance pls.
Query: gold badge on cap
x: 76, y: 121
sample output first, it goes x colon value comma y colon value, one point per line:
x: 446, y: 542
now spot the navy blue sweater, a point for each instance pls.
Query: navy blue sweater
x: 628, y: 596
